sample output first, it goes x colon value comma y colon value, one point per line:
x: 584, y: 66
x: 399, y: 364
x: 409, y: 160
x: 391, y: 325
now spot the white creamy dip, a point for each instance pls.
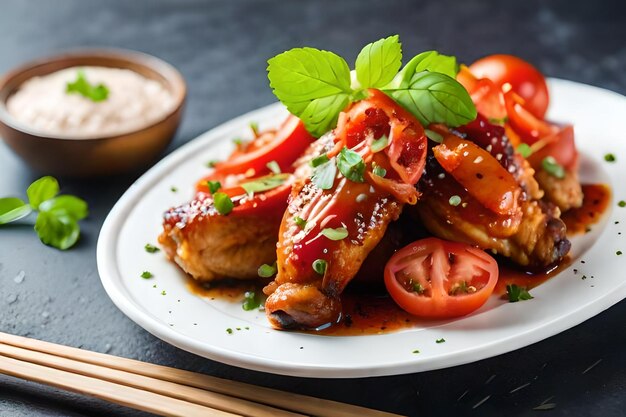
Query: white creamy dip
x: 133, y: 102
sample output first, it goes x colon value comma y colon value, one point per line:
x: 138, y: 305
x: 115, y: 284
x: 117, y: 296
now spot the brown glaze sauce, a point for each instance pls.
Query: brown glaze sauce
x: 367, y: 313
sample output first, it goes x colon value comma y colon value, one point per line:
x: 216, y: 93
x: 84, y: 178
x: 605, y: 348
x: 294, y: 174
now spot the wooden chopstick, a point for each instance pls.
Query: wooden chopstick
x: 243, y: 392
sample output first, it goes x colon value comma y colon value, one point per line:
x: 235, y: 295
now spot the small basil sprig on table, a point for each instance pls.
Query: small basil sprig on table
x: 58, y: 215
x: 317, y: 85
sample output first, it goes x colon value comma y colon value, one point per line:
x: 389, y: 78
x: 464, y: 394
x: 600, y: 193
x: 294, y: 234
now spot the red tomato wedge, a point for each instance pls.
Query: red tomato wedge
x: 435, y: 278
x: 480, y: 173
x: 283, y: 145
x: 521, y: 77
x: 486, y: 95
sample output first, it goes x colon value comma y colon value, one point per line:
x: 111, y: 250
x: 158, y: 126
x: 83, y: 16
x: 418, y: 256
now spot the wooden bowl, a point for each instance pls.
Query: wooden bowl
x: 94, y: 155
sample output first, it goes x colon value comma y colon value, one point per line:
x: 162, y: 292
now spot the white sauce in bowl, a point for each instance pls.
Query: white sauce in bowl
x: 133, y: 102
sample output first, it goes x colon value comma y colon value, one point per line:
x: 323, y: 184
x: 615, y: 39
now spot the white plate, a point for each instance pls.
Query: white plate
x: 199, y: 326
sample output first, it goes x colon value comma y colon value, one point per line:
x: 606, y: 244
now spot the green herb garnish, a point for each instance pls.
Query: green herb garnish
x: 268, y: 182
x: 267, y: 271
x: 319, y: 160
x: 212, y: 163
x: 351, y: 165
x: 150, y: 248
x: 274, y: 167
x: 58, y: 215
x: 621, y: 203
x: 418, y: 288
x: 254, y: 126
x: 552, y: 167
x: 316, y: 85
x: 455, y: 200
x: 339, y: 233
x: 319, y: 266
x: 618, y: 253
x: 213, y: 186
x: 146, y: 275
x: 173, y: 189
x: 378, y: 170
x: 222, y: 202
x: 81, y: 86
x: 163, y: 292
x: 434, y: 136
x: 324, y: 174
x: 524, y: 149
x: 300, y: 222
x: 517, y: 293
x: 229, y: 331
x: 609, y: 157
x: 252, y: 300
x: 442, y: 340
x: 379, y: 144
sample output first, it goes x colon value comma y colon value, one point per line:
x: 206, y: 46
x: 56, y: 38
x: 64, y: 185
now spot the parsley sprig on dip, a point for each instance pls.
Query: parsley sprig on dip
x: 58, y: 215
x: 317, y: 85
x: 82, y: 86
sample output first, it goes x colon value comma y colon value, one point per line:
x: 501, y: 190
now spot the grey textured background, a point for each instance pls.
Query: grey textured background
x: 221, y: 48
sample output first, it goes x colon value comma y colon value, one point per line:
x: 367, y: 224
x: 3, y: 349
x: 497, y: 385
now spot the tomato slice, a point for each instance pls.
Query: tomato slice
x: 284, y: 146
x: 524, y: 123
x: 436, y: 278
x: 486, y: 95
x: 511, y: 73
x: 480, y: 173
x: 560, y: 146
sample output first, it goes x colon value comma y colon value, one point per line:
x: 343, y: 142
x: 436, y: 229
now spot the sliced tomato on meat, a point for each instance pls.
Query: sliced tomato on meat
x: 524, y: 123
x: 560, y: 146
x: 283, y: 145
x: 486, y: 95
x: 435, y: 278
x: 480, y: 173
x: 511, y: 73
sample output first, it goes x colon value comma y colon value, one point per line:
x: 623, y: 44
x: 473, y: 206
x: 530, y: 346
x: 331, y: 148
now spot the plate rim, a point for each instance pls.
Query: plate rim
x: 115, y: 219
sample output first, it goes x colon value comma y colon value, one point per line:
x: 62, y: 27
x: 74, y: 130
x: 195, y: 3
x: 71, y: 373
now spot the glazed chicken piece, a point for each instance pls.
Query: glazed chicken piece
x: 566, y: 193
x: 326, y: 234
x: 211, y: 246
x: 531, y: 235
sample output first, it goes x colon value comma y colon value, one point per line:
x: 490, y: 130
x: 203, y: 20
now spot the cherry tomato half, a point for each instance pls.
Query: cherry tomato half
x: 523, y: 78
x: 435, y: 278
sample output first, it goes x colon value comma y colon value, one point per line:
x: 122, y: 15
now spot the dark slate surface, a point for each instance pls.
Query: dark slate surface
x: 221, y: 48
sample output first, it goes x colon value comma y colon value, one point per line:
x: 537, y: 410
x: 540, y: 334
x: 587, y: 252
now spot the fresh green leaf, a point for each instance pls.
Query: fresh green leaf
x: 433, y: 97
x: 378, y: 170
x: 552, y: 167
x: 267, y: 271
x: 222, y: 202
x: 430, y: 61
x: 57, y: 229
x: 524, y: 149
x: 254, y: 126
x: 378, y: 62
x: 339, y: 233
x: 621, y: 203
x: 314, y: 85
x: 517, y: 293
x: 268, y: 182
x: 300, y: 222
x: 379, y: 144
x: 66, y: 205
x: 351, y: 165
x: 212, y: 163
x: 12, y: 209
x: 81, y: 86
x: 41, y: 190
x: 213, y: 186
x: 147, y: 275
x: 609, y: 157
x: 319, y: 160
x: 434, y: 136
x: 442, y: 340
x: 324, y: 175
x: 319, y: 266
x: 274, y: 167
x: 252, y: 300
x: 150, y: 248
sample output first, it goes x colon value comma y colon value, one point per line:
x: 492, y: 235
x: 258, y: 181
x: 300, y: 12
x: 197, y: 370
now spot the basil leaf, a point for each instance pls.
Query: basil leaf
x: 430, y: 61
x: 81, y: 86
x: 223, y: 204
x: 314, y: 85
x: 43, y: 189
x: 433, y: 97
x: 351, y: 165
x: 66, y: 205
x: 264, y: 183
x: 379, y: 144
x: 378, y: 62
x: 339, y: 233
x: 12, y: 209
x: 57, y: 229
x: 324, y: 175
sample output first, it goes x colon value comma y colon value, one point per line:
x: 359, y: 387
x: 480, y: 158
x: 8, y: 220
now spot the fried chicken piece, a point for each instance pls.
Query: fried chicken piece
x: 566, y: 192
x: 209, y: 246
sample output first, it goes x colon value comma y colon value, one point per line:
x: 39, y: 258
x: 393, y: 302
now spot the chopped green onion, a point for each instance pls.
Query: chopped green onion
x: 254, y: 126
x: 379, y: 171
x: 222, y: 202
x: 151, y: 248
x: 379, y: 144
x: 274, y: 167
x: 300, y: 222
x: 442, y: 340
x: 267, y: 271
x: 552, y: 167
x: 146, y: 275
x: 319, y: 160
x: 213, y: 186
x: 524, y: 149
x: 319, y: 266
x: 335, y: 234
x: 609, y: 157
